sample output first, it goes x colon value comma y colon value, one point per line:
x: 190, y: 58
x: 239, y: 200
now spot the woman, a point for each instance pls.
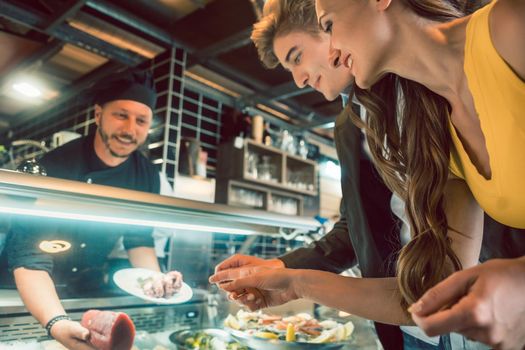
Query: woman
x: 470, y: 76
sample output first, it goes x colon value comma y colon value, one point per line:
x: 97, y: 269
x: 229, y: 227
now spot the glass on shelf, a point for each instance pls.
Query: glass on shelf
x: 246, y: 197
x: 302, y: 149
x: 299, y: 180
x: 266, y: 170
x: 267, y: 136
x: 252, y: 160
x: 287, y: 142
x: 283, y: 205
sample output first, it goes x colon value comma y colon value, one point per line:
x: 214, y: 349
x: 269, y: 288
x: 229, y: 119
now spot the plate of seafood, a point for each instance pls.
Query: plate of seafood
x: 270, y: 332
x: 157, y: 287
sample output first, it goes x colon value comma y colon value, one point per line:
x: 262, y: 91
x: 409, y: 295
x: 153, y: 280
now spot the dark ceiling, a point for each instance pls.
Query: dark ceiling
x: 69, y: 43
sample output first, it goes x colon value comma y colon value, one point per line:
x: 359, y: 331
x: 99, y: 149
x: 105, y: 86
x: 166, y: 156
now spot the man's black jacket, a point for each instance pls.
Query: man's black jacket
x: 367, y: 232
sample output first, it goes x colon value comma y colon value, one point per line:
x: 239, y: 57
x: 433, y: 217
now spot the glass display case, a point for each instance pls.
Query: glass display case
x: 189, y: 237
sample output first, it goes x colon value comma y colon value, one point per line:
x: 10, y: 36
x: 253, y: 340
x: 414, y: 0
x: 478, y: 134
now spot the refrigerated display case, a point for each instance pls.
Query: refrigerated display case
x: 192, y: 227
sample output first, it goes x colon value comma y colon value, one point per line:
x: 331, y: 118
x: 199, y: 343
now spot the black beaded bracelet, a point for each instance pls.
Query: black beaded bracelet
x: 54, y: 320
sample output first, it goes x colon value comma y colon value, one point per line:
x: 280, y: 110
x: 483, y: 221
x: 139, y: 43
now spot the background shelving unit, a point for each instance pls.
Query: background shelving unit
x: 247, y: 195
x: 268, y: 178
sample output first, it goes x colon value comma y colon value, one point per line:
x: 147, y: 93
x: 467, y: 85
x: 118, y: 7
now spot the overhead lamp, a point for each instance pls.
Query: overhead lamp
x: 27, y: 89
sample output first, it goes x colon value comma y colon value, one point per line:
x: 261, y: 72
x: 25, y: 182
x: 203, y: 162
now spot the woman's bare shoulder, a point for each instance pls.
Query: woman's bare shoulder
x: 507, y: 30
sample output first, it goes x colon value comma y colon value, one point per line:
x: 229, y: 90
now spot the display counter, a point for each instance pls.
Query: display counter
x: 188, y: 225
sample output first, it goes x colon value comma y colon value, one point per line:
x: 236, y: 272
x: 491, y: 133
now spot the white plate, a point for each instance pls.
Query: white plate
x: 128, y: 281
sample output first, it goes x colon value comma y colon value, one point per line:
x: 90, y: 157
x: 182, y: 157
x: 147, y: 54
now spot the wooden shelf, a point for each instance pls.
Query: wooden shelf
x: 233, y: 163
x: 247, y: 195
x: 281, y: 186
x: 302, y: 160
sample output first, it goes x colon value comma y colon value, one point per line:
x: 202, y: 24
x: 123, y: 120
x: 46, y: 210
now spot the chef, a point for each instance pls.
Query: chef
x: 41, y: 251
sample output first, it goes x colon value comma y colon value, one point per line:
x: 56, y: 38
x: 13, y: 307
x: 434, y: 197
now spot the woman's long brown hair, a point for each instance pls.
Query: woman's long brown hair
x: 407, y: 128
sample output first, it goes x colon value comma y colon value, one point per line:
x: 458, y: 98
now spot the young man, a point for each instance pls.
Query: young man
x: 367, y: 232
x: 123, y: 114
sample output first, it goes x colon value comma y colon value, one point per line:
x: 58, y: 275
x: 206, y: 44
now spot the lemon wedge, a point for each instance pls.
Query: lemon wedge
x: 349, y: 329
x: 232, y: 322
x: 290, y: 332
x: 266, y: 335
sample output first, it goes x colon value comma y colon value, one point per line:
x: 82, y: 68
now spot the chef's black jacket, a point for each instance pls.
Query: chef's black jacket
x: 91, y: 241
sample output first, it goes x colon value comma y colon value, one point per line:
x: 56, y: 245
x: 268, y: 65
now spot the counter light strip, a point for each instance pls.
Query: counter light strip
x: 116, y: 220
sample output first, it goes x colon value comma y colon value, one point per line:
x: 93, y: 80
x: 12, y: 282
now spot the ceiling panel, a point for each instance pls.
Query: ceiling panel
x: 10, y: 107
x: 220, y: 19
x: 245, y: 60
x: 14, y: 50
x: 72, y: 62
x: 162, y: 13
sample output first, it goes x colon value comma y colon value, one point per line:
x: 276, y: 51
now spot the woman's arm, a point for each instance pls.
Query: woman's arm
x: 373, y: 298
x: 465, y: 217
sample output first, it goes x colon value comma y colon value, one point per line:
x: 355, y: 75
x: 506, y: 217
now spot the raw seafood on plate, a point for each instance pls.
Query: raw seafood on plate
x: 298, y: 328
x: 161, y: 285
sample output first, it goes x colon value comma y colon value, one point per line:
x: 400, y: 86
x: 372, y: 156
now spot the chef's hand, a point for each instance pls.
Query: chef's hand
x: 484, y: 303
x: 268, y: 286
x: 72, y: 335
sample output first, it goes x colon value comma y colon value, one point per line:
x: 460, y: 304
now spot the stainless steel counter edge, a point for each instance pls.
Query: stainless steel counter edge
x: 52, y: 194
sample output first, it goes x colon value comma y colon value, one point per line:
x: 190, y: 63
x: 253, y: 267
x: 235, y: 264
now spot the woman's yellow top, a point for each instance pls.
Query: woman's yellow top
x: 499, y: 99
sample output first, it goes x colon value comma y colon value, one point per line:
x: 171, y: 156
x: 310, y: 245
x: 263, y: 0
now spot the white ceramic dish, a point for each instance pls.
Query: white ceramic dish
x: 128, y: 281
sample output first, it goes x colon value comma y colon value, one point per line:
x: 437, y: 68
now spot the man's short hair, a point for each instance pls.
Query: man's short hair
x: 281, y: 17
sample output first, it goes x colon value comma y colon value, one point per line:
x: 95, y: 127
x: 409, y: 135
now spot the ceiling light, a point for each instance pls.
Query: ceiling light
x: 27, y: 89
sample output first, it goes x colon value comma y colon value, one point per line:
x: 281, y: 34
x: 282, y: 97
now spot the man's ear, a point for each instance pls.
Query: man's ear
x: 98, y: 114
x: 382, y: 5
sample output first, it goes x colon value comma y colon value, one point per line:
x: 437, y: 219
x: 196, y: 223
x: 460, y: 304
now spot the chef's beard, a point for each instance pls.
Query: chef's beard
x: 105, y: 139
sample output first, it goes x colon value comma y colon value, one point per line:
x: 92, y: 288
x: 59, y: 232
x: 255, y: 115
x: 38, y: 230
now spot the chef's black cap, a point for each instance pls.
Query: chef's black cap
x: 131, y: 84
